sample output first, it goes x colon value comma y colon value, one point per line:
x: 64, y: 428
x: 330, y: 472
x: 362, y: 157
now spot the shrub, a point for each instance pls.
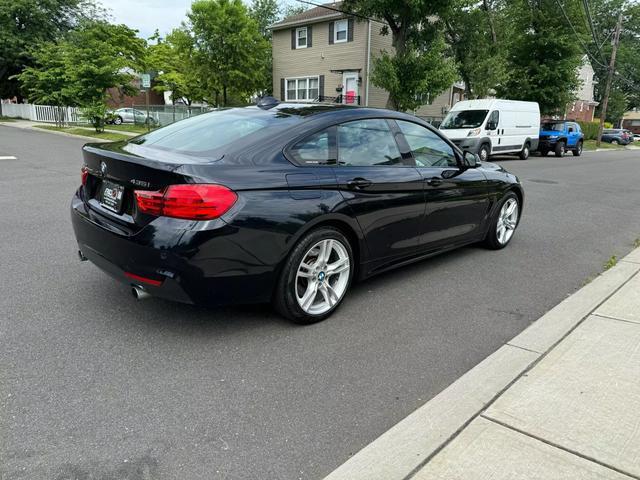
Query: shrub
x: 590, y: 129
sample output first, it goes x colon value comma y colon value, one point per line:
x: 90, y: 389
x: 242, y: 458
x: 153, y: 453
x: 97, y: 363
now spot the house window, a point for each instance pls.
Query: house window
x: 301, y: 37
x: 340, y: 31
x: 305, y: 89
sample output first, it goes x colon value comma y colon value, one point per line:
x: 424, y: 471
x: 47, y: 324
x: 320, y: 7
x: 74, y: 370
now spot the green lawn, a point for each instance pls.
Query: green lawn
x: 112, y: 137
x: 6, y: 119
x: 591, y: 145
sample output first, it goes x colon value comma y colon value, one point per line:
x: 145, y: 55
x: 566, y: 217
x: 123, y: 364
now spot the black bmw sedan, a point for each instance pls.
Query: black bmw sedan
x: 288, y: 203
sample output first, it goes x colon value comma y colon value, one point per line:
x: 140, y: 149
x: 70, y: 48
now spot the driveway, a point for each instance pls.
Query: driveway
x: 95, y: 385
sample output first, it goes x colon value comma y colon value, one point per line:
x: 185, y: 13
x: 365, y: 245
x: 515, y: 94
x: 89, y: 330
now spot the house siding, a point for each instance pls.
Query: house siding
x: 321, y: 58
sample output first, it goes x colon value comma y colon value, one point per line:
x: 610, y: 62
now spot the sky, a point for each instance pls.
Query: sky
x: 147, y: 15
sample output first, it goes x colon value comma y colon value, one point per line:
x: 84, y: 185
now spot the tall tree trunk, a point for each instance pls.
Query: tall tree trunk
x: 487, y: 8
x: 399, y: 43
x: 224, y: 95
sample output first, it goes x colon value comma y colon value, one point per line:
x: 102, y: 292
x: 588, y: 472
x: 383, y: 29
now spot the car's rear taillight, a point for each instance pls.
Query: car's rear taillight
x: 188, y: 201
x: 84, y: 174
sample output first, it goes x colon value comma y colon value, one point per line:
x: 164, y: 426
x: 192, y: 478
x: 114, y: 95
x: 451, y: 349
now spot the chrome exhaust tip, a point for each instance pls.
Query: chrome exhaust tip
x: 139, y: 294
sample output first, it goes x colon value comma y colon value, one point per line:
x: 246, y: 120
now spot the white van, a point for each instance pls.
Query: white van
x: 491, y: 126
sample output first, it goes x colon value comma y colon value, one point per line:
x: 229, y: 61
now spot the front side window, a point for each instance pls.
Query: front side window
x: 313, y: 150
x: 464, y: 119
x: 366, y: 143
x: 340, y: 31
x: 553, y: 126
x: 428, y: 149
x: 302, y: 89
x: 301, y: 37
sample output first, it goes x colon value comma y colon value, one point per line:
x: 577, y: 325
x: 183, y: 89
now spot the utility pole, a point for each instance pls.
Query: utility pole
x: 612, y: 66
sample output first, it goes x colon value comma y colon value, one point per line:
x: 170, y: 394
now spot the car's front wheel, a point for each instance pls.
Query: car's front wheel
x: 560, y: 149
x: 315, y: 277
x: 117, y: 120
x: 484, y: 152
x: 504, y: 223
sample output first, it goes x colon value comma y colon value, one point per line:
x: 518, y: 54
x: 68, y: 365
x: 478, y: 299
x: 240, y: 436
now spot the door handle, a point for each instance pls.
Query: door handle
x: 358, y: 183
x: 434, y: 181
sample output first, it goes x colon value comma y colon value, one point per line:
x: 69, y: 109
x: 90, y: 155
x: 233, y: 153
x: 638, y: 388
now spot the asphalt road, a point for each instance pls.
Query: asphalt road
x: 94, y: 385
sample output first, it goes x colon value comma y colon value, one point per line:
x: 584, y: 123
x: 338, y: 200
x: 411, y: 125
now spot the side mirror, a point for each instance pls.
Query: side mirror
x: 492, y: 126
x: 471, y: 160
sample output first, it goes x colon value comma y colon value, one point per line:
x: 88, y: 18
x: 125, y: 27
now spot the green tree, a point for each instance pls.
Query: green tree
x: 78, y: 70
x: 420, y: 67
x: 230, y: 52
x: 476, y: 37
x: 544, y: 53
x: 174, y: 59
x: 266, y: 13
x: 26, y: 24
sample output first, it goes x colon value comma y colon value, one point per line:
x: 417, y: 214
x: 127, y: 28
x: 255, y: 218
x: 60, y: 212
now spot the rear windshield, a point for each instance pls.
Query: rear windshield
x: 208, y: 133
x: 464, y: 119
x: 553, y: 126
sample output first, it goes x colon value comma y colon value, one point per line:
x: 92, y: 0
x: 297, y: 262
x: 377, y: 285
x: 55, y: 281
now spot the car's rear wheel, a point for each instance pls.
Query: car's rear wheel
x: 615, y: 142
x: 504, y: 223
x: 315, y: 277
x: 578, y: 150
x: 560, y: 149
x: 524, y: 153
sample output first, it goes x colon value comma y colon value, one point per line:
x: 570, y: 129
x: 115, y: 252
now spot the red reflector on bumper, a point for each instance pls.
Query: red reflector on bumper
x: 150, y: 281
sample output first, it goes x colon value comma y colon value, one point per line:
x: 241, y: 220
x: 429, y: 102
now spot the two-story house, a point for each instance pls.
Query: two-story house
x: 323, y: 54
x: 583, y: 108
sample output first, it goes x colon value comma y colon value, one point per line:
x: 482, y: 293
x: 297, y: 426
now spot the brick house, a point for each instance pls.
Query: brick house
x: 325, y: 55
x: 583, y: 108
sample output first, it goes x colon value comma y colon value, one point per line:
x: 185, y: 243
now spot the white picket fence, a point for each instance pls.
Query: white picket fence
x: 41, y: 113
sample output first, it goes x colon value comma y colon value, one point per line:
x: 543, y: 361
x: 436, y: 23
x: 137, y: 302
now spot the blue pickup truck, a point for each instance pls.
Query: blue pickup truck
x: 560, y: 136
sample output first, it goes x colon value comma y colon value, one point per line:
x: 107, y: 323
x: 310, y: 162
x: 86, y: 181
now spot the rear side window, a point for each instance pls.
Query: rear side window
x: 428, y: 149
x: 367, y: 143
x: 313, y: 150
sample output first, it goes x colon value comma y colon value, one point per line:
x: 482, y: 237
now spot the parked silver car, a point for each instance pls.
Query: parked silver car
x: 130, y: 115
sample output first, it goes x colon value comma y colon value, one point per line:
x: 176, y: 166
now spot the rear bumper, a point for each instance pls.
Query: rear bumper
x: 191, y: 261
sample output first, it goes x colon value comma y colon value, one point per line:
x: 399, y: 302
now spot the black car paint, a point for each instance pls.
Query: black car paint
x: 407, y: 213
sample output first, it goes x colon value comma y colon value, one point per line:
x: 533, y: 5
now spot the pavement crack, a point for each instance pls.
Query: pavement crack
x: 559, y: 447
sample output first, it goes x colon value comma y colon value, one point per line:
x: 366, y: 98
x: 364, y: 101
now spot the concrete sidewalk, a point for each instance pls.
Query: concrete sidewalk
x: 28, y: 124
x: 559, y: 401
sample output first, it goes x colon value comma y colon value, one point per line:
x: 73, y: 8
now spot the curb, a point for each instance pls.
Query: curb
x: 408, y: 446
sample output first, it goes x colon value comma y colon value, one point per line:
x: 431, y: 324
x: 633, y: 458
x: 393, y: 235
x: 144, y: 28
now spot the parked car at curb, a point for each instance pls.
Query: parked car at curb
x: 129, y: 115
x: 616, y: 136
x: 561, y: 136
x: 493, y: 126
x: 283, y: 203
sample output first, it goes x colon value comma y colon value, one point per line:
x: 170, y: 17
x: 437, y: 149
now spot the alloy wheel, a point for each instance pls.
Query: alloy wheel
x: 322, y: 277
x: 507, y: 221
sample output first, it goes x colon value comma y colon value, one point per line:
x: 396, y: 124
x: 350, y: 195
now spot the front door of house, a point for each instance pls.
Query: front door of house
x: 350, y: 88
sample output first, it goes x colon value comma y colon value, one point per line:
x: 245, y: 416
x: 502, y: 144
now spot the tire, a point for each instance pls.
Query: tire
x: 614, y: 142
x: 494, y: 240
x: 296, y: 284
x: 526, y: 150
x: 560, y: 149
x: 484, y: 152
x: 117, y: 120
x: 544, y: 152
x: 578, y: 150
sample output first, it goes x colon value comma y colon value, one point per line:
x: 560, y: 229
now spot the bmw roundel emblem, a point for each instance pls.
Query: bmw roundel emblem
x: 103, y: 168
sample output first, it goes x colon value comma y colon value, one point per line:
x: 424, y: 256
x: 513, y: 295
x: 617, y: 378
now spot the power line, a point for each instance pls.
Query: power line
x: 338, y: 10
